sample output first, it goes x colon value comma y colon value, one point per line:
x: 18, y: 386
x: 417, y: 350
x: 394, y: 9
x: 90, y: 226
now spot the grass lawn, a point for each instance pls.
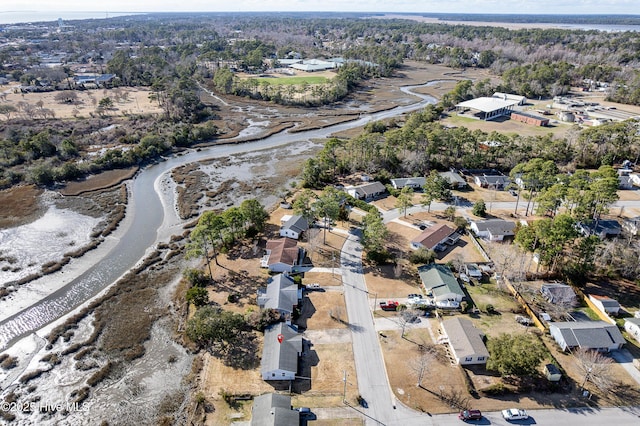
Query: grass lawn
x: 293, y: 80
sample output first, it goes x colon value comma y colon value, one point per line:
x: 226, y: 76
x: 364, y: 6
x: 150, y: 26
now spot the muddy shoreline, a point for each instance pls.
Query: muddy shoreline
x: 102, y: 349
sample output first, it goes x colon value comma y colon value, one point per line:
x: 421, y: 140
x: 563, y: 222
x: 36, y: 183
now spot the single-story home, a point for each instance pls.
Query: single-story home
x: 294, y: 227
x: 558, y: 293
x: 455, y: 180
x: 596, y: 335
x: 273, y: 409
x: 497, y: 182
x: 283, y: 255
x: 412, y: 182
x: 605, y: 304
x: 281, y: 294
x: 366, y: 191
x: 466, y: 341
x: 602, y: 228
x: 280, y: 352
x: 440, y: 283
x: 435, y: 238
x: 632, y: 326
x: 493, y: 229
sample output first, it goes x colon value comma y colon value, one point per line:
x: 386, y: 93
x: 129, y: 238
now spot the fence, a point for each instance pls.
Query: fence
x: 542, y: 326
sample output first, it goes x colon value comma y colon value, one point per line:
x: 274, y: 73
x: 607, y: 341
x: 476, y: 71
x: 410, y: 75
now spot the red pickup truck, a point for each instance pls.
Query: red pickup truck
x: 389, y: 305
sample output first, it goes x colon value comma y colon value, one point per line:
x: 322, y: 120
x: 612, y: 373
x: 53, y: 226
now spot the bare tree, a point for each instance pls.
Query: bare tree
x: 420, y: 364
x: 595, y: 368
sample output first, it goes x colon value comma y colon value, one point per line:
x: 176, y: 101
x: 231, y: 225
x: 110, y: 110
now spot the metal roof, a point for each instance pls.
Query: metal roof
x: 487, y: 104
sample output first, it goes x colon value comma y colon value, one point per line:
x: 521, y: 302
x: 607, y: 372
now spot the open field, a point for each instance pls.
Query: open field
x: 127, y: 101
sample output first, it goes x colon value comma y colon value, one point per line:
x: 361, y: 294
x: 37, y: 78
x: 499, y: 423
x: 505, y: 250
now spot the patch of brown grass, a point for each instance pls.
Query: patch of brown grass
x: 19, y: 205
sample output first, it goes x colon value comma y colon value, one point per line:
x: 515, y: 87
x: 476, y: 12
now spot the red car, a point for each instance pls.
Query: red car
x: 470, y: 415
x: 389, y: 305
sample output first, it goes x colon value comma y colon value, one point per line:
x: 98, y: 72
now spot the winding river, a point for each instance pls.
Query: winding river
x: 151, y: 215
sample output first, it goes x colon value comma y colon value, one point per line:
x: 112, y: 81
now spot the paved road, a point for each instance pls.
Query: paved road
x: 373, y: 383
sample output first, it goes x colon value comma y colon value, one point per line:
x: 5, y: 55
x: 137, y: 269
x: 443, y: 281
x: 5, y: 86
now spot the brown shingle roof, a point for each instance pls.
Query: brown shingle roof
x: 283, y: 250
x: 432, y: 236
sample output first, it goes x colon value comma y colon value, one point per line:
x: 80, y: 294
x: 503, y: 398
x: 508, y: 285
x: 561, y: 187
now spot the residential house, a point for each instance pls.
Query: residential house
x: 466, y: 341
x: 440, y: 283
x: 294, y: 227
x: 602, y: 228
x: 596, y: 335
x: 283, y: 255
x: 494, y: 181
x: 455, y: 180
x: 273, y: 409
x: 605, y: 304
x: 366, y: 191
x: 281, y: 350
x: 281, y: 294
x: 412, y: 182
x: 435, y: 238
x: 493, y: 229
x: 558, y: 293
x: 632, y: 326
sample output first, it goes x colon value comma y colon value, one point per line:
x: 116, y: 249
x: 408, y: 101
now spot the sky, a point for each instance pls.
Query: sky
x: 396, y: 6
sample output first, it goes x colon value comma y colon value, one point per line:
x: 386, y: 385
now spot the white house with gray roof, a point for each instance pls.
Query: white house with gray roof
x: 596, y: 335
x: 455, y: 180
x: 281, y: 350
x: 281, y: 294
x: 632, y: 326
x: 493, y: 229
x: 366, y: 191
x: 412, y: 182
x: 294, y: 227
x: 273, y: 409
x: 466, y: 341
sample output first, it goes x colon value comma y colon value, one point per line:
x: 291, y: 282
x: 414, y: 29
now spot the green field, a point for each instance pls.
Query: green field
x: 293, y: 80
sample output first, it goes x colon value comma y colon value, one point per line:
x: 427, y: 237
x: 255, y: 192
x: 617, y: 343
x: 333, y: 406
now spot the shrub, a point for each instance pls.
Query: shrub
x: 495, y: 390
x: 422, y: 256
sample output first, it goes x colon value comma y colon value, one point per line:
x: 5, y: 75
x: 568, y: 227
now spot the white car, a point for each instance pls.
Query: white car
x: 464, y: 277
x: 515, y: 414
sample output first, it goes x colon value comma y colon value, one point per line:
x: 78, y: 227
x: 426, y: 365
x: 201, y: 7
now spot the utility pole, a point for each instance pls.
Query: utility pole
x: 344, y: 392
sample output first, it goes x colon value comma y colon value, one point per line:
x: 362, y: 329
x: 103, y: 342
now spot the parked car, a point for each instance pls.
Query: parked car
x: 414, y: 296
x: 470, y: 415
x: 302, y: 410
x: 515, y: 414
x: 464, y: 277
x: 313, y: 286
x: 389, y: 305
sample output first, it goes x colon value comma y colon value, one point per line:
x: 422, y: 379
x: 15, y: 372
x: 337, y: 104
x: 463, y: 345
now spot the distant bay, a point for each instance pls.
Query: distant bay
x: 33, y: 16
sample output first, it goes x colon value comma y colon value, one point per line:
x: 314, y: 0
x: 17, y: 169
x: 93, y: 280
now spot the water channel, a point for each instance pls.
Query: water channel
x: 150, y: 214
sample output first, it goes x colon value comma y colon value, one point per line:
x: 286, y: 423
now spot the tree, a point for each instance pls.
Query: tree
x: 254, y: 214
x: 435, y: 187
x: 327, y: 206
x: 198, y: 296
x: 303, y: 205
x: 207, y: 235
x: 479, y: 208
x: 405, y: 199
x: 518, y: 355
x: 420, y: 365
x: 375, y: 233
x: 595, y: 368
x: 212, y: 326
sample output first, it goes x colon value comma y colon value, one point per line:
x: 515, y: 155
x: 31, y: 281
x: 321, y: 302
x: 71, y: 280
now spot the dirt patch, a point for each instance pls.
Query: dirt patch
x: 128, y: 101
x: 104, y: 180
x: 20, y: 205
